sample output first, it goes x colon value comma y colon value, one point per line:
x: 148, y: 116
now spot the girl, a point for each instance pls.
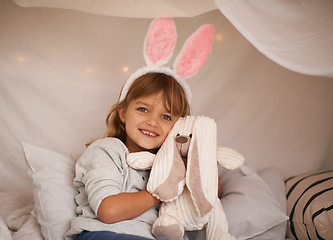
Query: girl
x: 112, y: 200
x: 112, y: 196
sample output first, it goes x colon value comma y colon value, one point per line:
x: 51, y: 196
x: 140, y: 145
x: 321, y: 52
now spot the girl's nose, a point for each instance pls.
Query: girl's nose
x: 152, y: 121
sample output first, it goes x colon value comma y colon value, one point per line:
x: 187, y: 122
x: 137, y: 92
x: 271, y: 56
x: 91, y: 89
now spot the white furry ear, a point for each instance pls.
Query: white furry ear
x: 158, y: 48
x: 194, y: 52
x: 160, y: 42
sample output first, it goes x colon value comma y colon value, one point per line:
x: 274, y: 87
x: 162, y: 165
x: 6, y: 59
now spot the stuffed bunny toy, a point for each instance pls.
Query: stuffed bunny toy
x: 188, y: 190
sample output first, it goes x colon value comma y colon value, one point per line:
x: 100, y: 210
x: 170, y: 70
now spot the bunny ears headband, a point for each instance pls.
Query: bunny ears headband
x: 159, y: 44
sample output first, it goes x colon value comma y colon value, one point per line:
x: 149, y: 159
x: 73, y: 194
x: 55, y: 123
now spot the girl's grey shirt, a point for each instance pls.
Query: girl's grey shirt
x: 102, y: 171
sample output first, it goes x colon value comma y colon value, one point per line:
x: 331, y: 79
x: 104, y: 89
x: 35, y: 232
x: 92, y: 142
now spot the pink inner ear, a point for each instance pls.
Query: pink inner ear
x: 161, y: 40
x: 195, y: 51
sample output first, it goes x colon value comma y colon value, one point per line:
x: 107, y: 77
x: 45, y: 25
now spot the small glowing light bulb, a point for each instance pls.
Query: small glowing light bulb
x: 21, y: 59
x: 219, y: 37
x: 125, y: 69
x: 88, y: 69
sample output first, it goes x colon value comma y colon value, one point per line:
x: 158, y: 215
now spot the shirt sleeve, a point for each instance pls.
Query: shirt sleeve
x: 103, y: 170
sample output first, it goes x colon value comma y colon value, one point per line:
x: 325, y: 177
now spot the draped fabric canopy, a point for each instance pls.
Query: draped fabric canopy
x: 129, y: 8
x: 296, y: 34
x: 63, y: 63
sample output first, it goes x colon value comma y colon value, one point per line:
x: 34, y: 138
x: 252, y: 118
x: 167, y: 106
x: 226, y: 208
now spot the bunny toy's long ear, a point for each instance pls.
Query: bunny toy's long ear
x: 160, y: 42
x: 201, y: 176
x: 167, y: 177
x: 194, y: 52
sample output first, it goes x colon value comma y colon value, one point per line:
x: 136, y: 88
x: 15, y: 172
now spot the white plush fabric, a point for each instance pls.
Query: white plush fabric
x: 189, y: 195
x: 140, y: 160
x: 159, y: 44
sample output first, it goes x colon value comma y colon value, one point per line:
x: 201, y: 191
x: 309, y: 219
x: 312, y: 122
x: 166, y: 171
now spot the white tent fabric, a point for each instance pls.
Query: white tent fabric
x: 61, y: 70
x: 296, y: 34
x: 129, y: 8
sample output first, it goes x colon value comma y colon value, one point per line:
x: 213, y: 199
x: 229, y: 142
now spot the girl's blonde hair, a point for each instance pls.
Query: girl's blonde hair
x: 145, y: 85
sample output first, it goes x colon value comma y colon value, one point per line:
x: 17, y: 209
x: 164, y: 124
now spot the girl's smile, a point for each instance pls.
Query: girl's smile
x: 146, y: 132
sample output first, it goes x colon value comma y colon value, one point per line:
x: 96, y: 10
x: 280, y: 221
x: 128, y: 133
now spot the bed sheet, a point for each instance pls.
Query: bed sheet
x: 16, y: 217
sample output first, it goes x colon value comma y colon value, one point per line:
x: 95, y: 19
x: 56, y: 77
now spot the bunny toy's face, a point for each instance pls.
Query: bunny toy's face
x: 183, y: 145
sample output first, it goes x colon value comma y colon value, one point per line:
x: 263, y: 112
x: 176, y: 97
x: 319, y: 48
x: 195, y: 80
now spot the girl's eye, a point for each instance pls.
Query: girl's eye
x: 142, y: 109
x: 166, y: 117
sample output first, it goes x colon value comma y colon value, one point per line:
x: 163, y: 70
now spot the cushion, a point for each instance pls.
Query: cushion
x: 310, y: 205
x: 254, y: 209
x: 273, y: 178
x: 53, y: 190
x: 250, y: 205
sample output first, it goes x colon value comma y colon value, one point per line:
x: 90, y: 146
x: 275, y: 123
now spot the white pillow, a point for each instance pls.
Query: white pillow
x: 53, y: 189
x: 249, y: 204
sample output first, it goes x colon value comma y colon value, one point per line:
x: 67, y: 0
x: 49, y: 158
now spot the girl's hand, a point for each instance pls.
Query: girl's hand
x: 125, y: 206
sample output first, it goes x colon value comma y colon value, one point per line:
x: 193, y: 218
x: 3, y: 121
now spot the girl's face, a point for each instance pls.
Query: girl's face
x: 147, y: 122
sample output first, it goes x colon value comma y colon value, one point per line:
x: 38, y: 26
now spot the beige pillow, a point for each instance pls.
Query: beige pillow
x: 310, y: 205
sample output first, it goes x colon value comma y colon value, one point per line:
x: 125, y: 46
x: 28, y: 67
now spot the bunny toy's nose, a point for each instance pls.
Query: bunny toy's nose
x: 181, y: 139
